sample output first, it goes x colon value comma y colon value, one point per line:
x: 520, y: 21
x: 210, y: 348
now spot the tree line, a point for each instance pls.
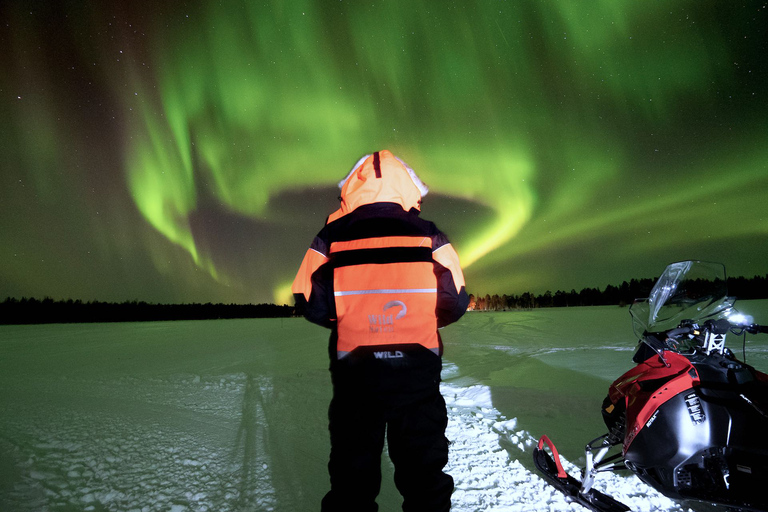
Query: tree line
x: 34, y: 311
x: 47, y: 310
x: 622, y: 295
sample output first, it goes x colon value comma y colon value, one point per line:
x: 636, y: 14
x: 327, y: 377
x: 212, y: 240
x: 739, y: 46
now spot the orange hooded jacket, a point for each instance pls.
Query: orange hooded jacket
x: 377, y: 274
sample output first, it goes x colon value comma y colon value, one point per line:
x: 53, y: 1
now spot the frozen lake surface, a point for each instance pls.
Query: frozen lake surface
x: 230, y: 415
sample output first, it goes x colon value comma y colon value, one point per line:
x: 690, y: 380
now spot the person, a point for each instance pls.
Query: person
x: 384, y: 281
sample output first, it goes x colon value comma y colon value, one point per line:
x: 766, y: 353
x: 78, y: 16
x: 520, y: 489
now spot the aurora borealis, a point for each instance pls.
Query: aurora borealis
x: 174, y: 152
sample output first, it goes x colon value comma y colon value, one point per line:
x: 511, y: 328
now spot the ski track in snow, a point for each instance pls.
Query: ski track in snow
x: 486, y: 450
x: 150, y: 466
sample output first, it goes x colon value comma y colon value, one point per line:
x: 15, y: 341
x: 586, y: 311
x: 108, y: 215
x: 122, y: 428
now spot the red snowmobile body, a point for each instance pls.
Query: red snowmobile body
x: 695, y: 427
x: 640, y: 394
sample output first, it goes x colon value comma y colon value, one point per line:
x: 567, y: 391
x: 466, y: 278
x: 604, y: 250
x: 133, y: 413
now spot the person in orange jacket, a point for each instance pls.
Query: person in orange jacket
x: 384, y: 281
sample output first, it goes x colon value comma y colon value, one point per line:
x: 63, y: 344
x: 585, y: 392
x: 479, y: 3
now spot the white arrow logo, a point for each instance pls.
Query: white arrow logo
x: 392, y: 304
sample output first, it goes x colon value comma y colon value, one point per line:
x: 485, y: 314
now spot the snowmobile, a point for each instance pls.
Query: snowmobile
x: 690, y: 419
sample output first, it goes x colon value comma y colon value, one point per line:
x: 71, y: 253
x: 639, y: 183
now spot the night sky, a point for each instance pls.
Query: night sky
x: 189, y: 151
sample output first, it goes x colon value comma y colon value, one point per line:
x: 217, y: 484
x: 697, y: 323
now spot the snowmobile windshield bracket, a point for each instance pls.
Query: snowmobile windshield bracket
x: 651, y: 341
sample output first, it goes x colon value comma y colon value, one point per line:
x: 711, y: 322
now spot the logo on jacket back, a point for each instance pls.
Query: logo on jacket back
x: 386, y: 322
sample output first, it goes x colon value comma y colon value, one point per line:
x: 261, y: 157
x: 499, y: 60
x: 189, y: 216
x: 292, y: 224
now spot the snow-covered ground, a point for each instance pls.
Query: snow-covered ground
x: 100, y: 461
x: 231, y: 415
x: 490, y: 458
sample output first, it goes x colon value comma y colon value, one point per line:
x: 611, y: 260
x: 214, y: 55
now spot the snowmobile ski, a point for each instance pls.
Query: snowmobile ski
x: 553, y: 472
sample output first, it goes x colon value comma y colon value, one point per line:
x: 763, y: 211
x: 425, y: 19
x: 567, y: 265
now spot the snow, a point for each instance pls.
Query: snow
x: 232, y: 415
x: 99, y: 462
x: 152, y: 467
x: 490, y: 461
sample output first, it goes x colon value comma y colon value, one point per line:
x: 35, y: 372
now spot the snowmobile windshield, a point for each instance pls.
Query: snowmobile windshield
x: 687, y: 290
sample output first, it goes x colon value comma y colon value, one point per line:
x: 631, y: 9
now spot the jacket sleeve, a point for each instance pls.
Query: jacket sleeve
x: 312, y: 288
x: 452, y: 298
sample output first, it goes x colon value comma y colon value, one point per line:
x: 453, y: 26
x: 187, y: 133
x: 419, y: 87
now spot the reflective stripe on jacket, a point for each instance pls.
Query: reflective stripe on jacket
x: 395, y: 286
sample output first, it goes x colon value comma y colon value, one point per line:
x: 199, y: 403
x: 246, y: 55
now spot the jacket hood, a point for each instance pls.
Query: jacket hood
x: 380, y: 178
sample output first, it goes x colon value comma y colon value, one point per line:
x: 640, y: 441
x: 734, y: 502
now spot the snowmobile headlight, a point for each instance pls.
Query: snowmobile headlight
x: 740, y: 319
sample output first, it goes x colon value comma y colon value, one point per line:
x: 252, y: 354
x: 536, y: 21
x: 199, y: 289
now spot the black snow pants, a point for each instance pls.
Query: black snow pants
x: 403, y: 404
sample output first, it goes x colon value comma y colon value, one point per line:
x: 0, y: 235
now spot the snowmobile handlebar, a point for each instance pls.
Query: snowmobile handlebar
x: 753, y: 328
x: 680, y: 331
x: 722, y: 326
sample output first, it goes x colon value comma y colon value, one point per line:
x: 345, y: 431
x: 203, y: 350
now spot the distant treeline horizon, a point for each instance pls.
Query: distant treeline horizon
x: 36, y: 311
x: 625, y: 294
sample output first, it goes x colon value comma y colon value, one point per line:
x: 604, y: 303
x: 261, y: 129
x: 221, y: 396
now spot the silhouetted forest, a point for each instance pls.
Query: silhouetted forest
x: 33, y: 311
x: 622, y: 295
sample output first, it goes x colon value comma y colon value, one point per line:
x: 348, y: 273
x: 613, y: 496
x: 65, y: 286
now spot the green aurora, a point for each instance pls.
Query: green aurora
x: 179, y: 153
